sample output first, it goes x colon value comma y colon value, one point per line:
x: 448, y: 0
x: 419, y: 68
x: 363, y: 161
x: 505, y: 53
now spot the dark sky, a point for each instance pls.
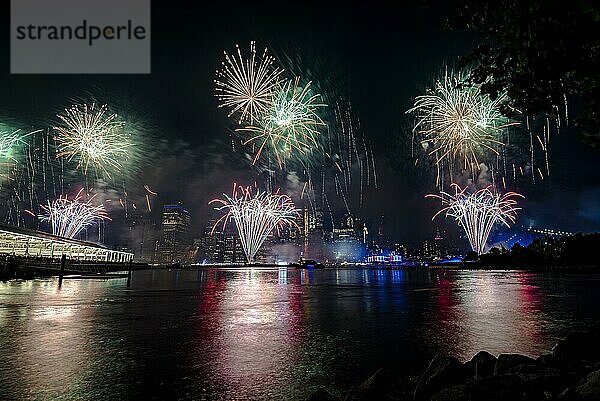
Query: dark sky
x: 379, y: 55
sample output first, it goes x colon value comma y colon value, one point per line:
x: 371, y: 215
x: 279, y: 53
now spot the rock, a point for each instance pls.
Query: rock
x: 384, y: 385
x: 562, y: 375
x: 526, y: 368
x: 363, y: 394
x: 497, y: 388
x: 578, y: 350
x: 540, y: 380
x: 382, y: 378
x: 547, y: 360
x: 481, y: 365
x: 443, y: 371
x: 568, y: 394
x: 508, y: 361
x: 405, y: 388
x: 322, y: 395
x: 590, y: 388
x: 454, y: 393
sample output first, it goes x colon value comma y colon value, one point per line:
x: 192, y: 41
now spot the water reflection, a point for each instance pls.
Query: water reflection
x: 254, y: 334
x: 52, y: 346
x: 268, y: 334
x: 499, y: 312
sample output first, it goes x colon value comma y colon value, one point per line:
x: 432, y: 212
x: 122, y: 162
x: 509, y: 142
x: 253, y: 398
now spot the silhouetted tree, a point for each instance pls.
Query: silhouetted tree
x: 577, y: 250
x: 539, y: 51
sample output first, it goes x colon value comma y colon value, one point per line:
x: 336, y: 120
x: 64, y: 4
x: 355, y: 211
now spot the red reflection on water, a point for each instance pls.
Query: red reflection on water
x: 446, y: 302
x: 447, y: 311
x: 530, y: 302
x: 211, y: 292
x: 530, y: 294
x: 497, y: 312
x: 296, y: 308
x: 209, y: 306
x: 252, y: 323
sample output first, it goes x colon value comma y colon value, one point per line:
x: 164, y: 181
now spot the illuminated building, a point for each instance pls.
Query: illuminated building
x: 392, y: 258
x: 313, y: 234
x: 175, y: 233
x: 23, y: 242
x: 232, y: 248
x: 220, y: 246
x: 347, y: 241
x: 212, y: 244
x: 142, y: 237
x: 433, y: 248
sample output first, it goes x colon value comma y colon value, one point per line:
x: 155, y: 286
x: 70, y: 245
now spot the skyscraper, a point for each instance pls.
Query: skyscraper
x: 212, y: 245
x: 221, y: 245
x: 313, y: 234
x: 142, y: 237
x: 346, y: 240
x: 175, y: 233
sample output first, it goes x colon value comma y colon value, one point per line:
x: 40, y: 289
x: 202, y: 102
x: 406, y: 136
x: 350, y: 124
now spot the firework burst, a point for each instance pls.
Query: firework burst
x: 245, y: 86
x: 9, y: 144
x: 255, y: 215
x: 478, y: 212
x: 9, y: 141
x: 290, y: 124
x: 93, y: 138
x: 458, y: 122
x: 68, y: 217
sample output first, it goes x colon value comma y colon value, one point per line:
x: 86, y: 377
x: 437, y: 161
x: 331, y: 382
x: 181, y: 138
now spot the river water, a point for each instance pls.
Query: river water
x: 225, y: 334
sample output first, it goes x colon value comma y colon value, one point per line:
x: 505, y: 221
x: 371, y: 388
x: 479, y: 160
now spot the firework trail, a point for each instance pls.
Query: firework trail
x: 255, y: 215
x: 9, y: 141
x: 12, y: 146
x: 478, y: 212
x: 289, y: 125
x: 246, y: 86
x: 456, y: 121
x: 68, y: 217
x: 93, y: 138
x: 349, y: 154
x: 35, y: 175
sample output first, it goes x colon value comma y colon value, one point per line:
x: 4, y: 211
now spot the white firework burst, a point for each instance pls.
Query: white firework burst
x: 245, y: 85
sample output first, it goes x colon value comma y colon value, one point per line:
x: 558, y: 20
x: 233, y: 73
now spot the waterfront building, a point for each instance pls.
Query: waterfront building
x: 220, y: 245
x: 22, y: 242
x: 348, y: 240
x: 391, y: 258
x: 312, y: 223
x: 174, y: 241
x: 142, y: 237
x: 212, y: 244
x: 232, y: 248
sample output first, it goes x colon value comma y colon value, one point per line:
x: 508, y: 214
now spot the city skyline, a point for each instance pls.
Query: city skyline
x: 349, y: 241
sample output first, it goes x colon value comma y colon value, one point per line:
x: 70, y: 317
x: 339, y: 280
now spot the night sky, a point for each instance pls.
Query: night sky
x: 379, y: 56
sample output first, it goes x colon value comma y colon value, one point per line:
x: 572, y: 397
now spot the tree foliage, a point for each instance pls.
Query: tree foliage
x: 542, y: 52
x: 577, y: 250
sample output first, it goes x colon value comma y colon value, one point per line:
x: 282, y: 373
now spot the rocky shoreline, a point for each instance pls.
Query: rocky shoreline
x: 570, y: 372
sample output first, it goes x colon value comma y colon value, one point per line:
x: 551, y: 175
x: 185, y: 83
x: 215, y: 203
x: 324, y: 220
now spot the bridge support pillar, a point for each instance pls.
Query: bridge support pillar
x: 63, y: 262
x: 129, y: 273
